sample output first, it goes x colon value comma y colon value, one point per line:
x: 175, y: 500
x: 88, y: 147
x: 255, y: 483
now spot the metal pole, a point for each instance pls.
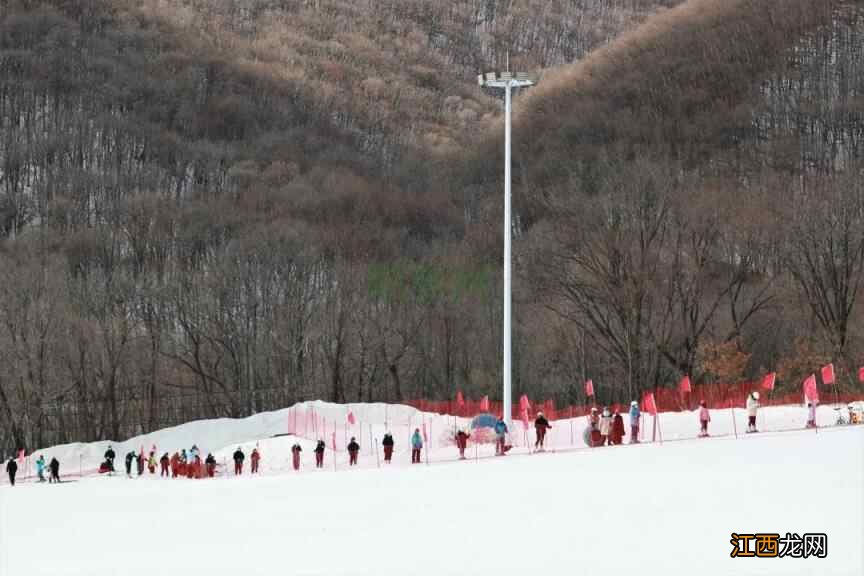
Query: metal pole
x: 507, y: 230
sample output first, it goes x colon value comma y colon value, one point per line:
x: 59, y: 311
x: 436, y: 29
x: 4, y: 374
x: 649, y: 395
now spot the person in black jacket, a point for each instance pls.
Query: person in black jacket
x: 54, y: 466
x: 295, y: 456
x: 388, y: 447
x: 353, y: 451
x: 109, y: 458
x: 12, y: 469
x: 238, y: 461
x: 210, y: 465
x: 541, y: 424
x: 319, y: 454
x: 130, y: 456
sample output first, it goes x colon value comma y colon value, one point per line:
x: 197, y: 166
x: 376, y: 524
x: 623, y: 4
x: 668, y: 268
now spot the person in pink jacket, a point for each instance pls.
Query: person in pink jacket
x: 704, y: 418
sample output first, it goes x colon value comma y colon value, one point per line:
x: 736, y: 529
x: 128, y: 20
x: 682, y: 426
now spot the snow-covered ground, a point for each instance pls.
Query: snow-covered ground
x: 656, y: 509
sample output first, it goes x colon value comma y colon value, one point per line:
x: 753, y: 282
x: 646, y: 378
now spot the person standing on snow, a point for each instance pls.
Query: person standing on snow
x: 40, y: 468
x: 704, y: 418
x: 500, y: 437
x: 634, y: 422
x: 151, y: 463
x: 811, y: 414
x: 752, y: 408
x: 54, y: 466
x: 109, y: 458
x: 139, y: 459
x: 388, y: 444
x: 319, y: 454
x: 295, y: 456
x: 353, y: 451
x: 238, y: 461
x: 12, y: 469
x: 462, y: 442
x: 164, y: 463
x: 210, y: 464
x: 255, y: 458
x: 605, y: 427
x: 541, y: 424
x: 130, y: 456
x: 618, y: 431
x: 416, y: 446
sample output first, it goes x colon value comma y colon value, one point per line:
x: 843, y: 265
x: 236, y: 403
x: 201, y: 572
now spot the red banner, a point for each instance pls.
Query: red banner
x: 810, y: 391
x: 648, y: 404
x: 684, y: 385
x: 769, y: 380
x: 589, y: 388
x: 828, y: 374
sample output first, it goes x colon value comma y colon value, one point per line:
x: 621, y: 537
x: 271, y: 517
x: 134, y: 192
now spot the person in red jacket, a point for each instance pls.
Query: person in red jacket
x: 210, y: 464
x: 255, y: 458
x: 353, y: 451
x: 295, y: 456
x: 462, y: 442
x: 704, y: 418
x: 618, y: 431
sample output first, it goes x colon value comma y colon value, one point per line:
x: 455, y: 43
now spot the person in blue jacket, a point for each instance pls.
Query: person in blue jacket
x: 416, y: 446
x: 40, y: 468
x: 634, y: 422
x: 500, y: 434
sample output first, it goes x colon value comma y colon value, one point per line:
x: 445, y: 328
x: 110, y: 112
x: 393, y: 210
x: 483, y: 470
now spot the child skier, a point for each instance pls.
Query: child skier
x: 238, y: 461
x: 634, y: 422
x: 500, y: 436
x: 40, y: 468
x: 416, y: 446
x: 319, y: 454
x: 151, y: 463
x: 54, y: 467
x: 12, y: 469
x: 164, y: 463
x: 617, y: 428
x: 255, y: 458
x: 210, y: 464
x: 462, y: 442
x: 605, y: 427
x: 704, y: 418
x: 752, y: 407
x: 295, y: 456
x: 353, y: 451
x: 811, y: 414
x: 130, y: 456
x: 541, y: 424
x: 388, y: 443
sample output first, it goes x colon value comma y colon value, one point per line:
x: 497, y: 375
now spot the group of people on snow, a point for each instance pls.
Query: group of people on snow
x: 53, y: 468
x: 607, y: 428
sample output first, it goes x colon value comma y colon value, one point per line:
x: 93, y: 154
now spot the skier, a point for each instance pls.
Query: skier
x: 704, y: 418
x: 416, y: 446
x: 388, y: 443
x: 40, y: 468
x: 541, y: 424
x: 210, y: 462
x: 634, y: 422
x: 462, y: 443
x: 752, y: 407
x: 129, y: 457
x: 500, y: 436
x: 811, y: 414
x: 164, y: 463
x: 151, y: 463
x: 194, y: 453
x: 605, y: 427
x: 618, y: 428
x: 255, y: 458
x: 139, y: 459
x: 594, y: 420
x: 175, y: 464
x: 353, y: 450
x: 12, y: 469
x: 295, y: 456
x: 54, y: 466
x: 319, y: 454
x: 109, y: 458
x: 238, y: 461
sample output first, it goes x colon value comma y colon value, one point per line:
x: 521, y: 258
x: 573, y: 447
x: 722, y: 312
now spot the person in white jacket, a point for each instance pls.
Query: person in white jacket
x: 605, y: 427
x: 752, y: 408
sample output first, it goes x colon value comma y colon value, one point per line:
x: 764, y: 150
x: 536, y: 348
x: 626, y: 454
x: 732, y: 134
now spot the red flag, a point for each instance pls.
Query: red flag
x: 648, y: 404
x: 21, y: 454
x: 811, y: 394
x: 484, y: 404
x: 523, y: 403
x: 460, y: 401
x: 768, y: 381
x: 828, y: 374
x: 525, y: 418
x: 334, y: 440
x: 351, y: 419
x: 684, y: 385
x: 589, y: 387
x: 861, y: 374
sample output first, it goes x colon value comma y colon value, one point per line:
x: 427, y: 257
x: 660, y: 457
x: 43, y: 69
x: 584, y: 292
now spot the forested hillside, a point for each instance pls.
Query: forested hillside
x: 213, y: 208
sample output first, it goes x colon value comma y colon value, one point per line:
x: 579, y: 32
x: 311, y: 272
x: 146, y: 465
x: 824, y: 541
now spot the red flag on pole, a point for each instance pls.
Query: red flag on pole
x: 828, y: 374
x: 589, y: 387
x: 810, y: 391
x: 334, y: 440
x: 861, y: 374
x: 525, y: 418
x: 648, y: 404
x: 460, y: 401
x: 684, y: 385
x: 523, y: 403
x: 425, y: 439
x: 21, y: 454
x: 351, y: 419
x: 484, y: 404
x: 768, y: 381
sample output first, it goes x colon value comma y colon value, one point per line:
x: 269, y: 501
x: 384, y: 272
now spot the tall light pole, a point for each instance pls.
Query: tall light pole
x: 506, y: 81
